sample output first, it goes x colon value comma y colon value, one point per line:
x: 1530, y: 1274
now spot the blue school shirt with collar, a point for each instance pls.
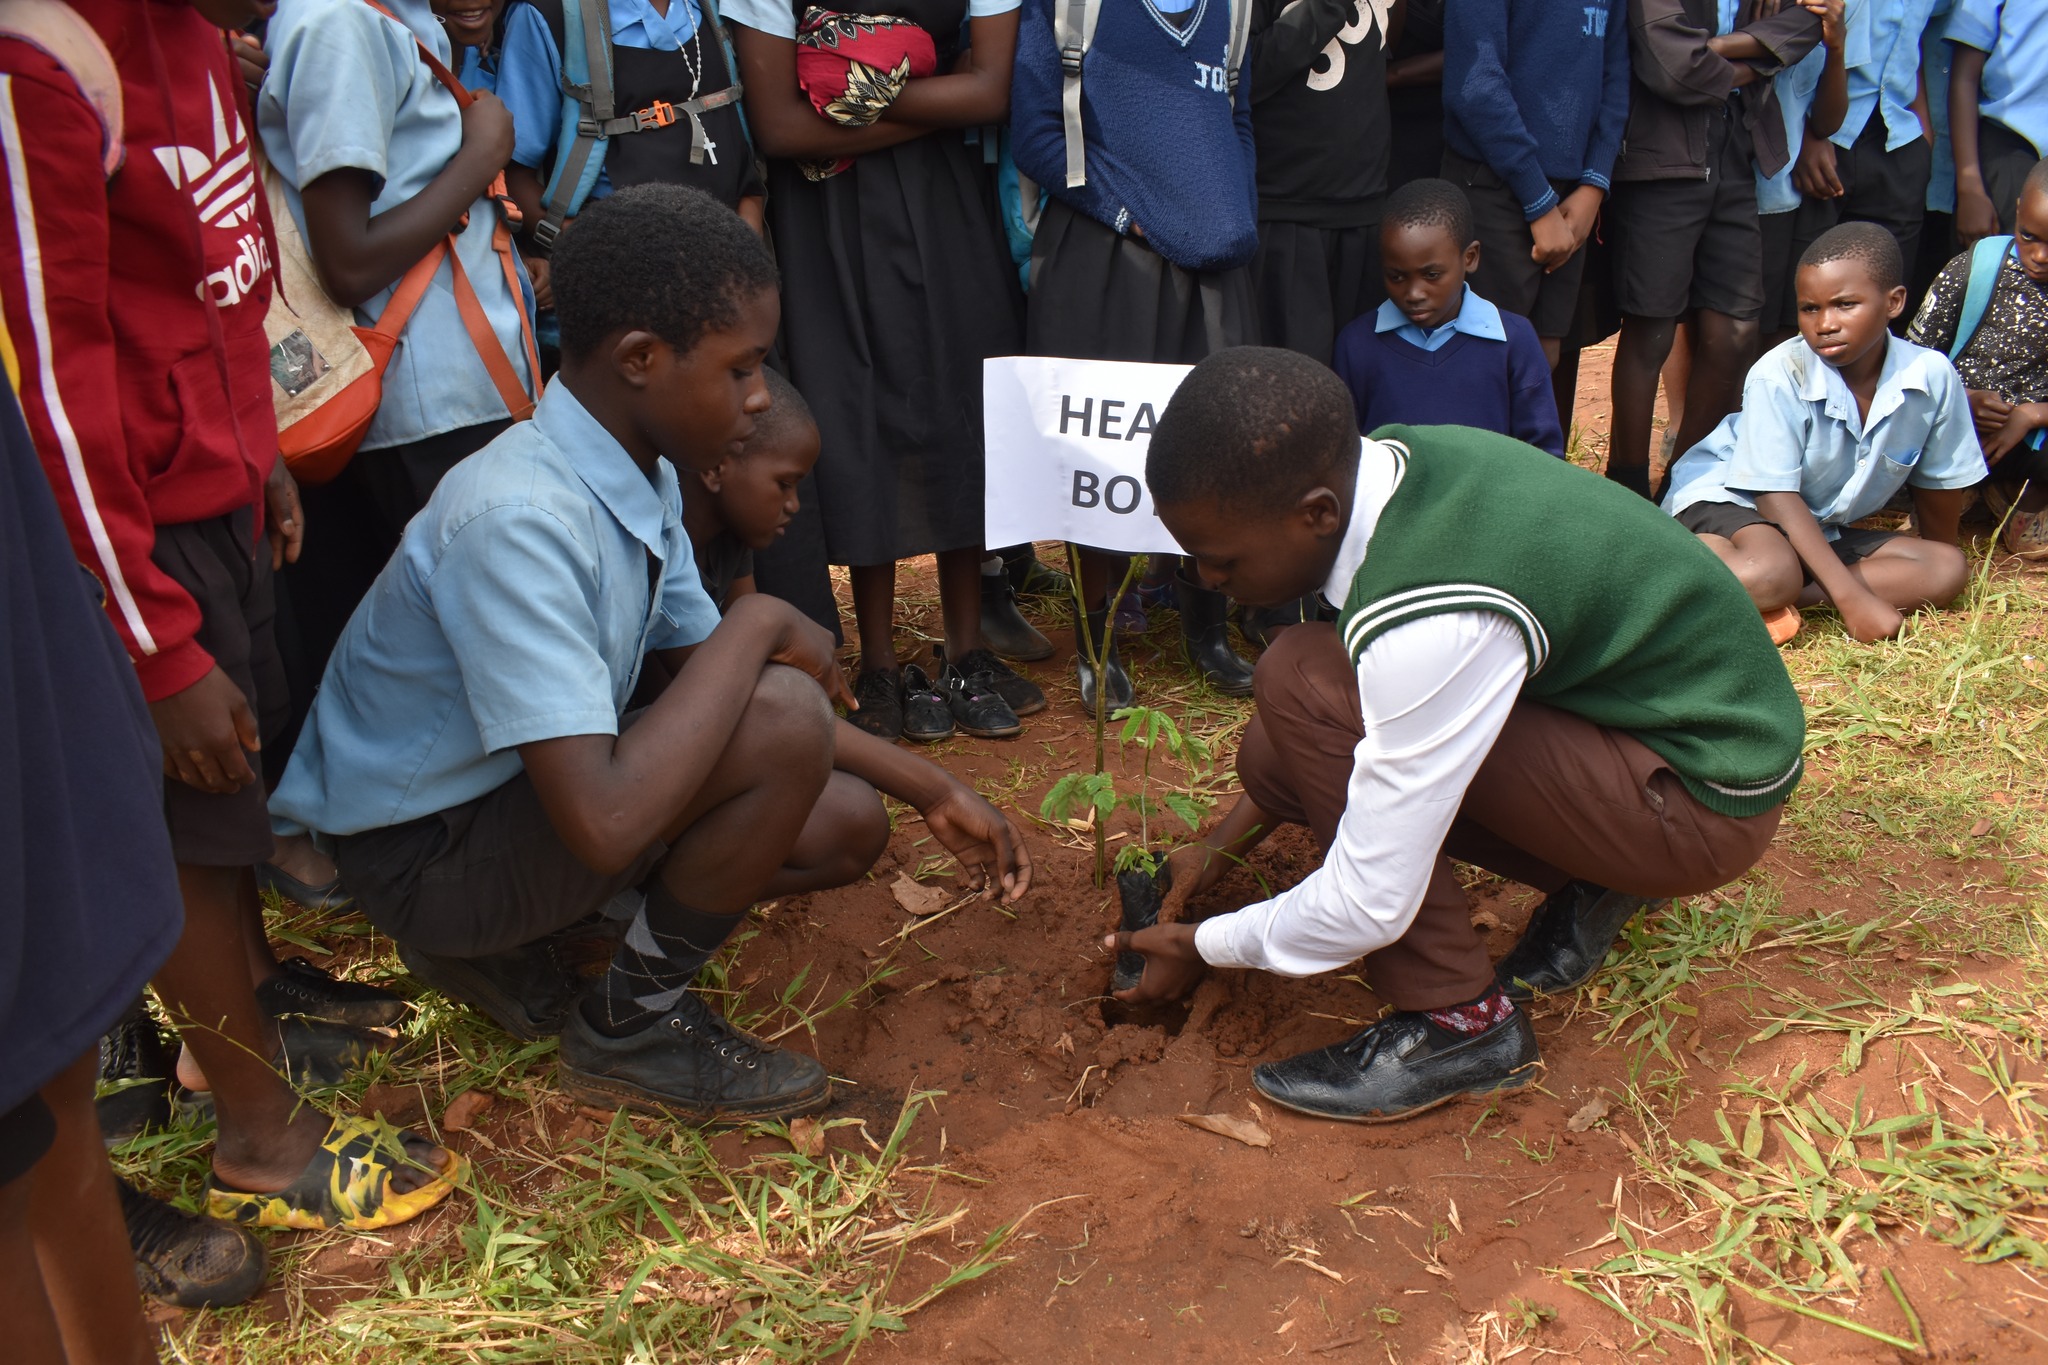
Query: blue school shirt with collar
x: 1936, y: 56
x: 1475, y: 317
x: 2014, y: 88
x: 476, y: 73
x: 517, y: 608
x: 1799, y: 431
x: 1887, y: 80
x: 347, y: 90
x: 1796, y: 86
x: 530, y: 70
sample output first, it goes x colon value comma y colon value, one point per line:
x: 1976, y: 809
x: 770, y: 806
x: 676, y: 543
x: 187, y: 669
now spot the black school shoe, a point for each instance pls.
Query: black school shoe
x: 301, y: 988
x: 188, y: 1260
x: 978, y: 709
x: 691, y: 1064
x: 1023, y: 696
x: 526, y: 991
x: 1399, y: 1066
x: 880, y: 694
x: 136, y: 1066
x: 927, y: 718
x: 1568, y: 938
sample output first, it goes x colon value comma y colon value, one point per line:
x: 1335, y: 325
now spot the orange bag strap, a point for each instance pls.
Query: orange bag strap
x: 481, y: 334
x: 412, y: 287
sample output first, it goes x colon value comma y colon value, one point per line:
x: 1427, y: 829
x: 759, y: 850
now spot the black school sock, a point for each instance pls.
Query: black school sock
x: 665, y: 947
x: 1475, y: 1016
x: 1634, y: 477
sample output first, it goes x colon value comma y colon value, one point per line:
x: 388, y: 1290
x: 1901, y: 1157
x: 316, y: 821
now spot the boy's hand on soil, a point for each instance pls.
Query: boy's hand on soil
x: 285, y: 519
x: 1172, y: 966
x: 984, y: 840
x: 205, y: 731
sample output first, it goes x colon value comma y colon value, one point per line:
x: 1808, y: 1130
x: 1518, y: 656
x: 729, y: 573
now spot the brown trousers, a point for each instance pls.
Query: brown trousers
x: 1557, y: 798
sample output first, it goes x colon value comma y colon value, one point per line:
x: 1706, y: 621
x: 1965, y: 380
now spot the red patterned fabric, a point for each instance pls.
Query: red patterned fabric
x: 1476, y: 1017
x: 852, y: 66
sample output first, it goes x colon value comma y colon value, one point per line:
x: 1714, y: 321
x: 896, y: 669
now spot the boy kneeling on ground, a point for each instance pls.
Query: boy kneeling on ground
x: 470, y: 754
x: 1492, y: 698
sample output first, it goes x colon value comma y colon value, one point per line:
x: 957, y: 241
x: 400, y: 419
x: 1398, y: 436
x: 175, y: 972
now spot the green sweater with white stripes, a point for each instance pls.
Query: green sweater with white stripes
x: 1629, y: 620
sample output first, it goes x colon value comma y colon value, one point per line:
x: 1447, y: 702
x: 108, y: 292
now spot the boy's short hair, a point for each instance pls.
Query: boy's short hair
x: 664, y: 259
x: 787, y: 420
x: 1431, y: 203
x: 1867, y: 244
x: 1253, y: 427
x: 2037, y: 179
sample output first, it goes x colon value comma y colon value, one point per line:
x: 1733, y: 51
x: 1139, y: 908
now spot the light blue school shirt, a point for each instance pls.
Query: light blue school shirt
x: 530, y: 70
x: 1796, y: 86
x: 1888, y: 80
x: 1798, y: 431
x: 474, y: 73
x: 517, y: 608
x: 347, y: 89
x: 1936, y: 56
x: 2014, y: 90
x: 1476, y: 317
x: 778, y: 19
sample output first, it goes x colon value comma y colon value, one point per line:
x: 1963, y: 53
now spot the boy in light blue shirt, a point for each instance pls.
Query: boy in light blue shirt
x: 1832, y: 424
x: 1813, y: 95
x: 1998, y: 108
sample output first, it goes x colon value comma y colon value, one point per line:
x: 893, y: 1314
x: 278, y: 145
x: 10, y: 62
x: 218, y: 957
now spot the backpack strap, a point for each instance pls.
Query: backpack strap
x: 589, y: 107
x: 1073, y: 30
x: 60, y: 33
x: 1985, y: 259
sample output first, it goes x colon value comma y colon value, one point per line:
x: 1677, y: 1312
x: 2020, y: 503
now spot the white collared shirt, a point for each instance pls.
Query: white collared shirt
x: 1435, y: 693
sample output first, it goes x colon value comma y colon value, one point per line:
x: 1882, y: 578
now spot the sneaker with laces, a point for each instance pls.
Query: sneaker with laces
x: 927, y: 718
x: 692, y: 1064
x: 189, y: 1260
x: 1024, y: 697
x: 302, y: 988
x: 880, y: 694
x: 978, y: 709
x: 136, y: 1066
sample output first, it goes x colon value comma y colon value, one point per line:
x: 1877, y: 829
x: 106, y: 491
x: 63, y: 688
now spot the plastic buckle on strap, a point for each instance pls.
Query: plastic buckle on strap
x: 1070, y: 59
x: 659, y: 114
x: 544, y: 234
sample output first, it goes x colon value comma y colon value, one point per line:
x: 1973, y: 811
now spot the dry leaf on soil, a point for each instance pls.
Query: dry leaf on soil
x: 1590, y: 1113
x: 807, y: 1136
x: 1223, y: 1125
x: 918, y: 899
x: 464, y: 1110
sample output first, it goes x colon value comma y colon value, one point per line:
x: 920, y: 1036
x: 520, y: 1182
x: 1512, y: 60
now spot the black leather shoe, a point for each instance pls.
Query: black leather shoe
x: 692, y: 1064
x: 136, y: 1066
x: 880, y: 694
x: 1119, y: 692
x: 186, y: 1259
x: 1568, y: 938
x: 1205, y: 632
x: 1022, y: 695
x: 1004, y: 627
x: 978, y: 709
x: 301, y: 988
x: 526, y: 991
x: 1399, y: 1066
x: 927, y: 718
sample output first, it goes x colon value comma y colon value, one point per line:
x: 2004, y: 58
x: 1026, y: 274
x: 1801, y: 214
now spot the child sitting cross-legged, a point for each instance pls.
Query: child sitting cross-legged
x: 1832, y: 424
x: 470, y: 753
x: 1435, y: 351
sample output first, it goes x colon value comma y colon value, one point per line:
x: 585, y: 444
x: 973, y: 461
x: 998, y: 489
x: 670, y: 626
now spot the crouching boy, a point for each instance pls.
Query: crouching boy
x: 1494, y: 699
x: 469, y: 752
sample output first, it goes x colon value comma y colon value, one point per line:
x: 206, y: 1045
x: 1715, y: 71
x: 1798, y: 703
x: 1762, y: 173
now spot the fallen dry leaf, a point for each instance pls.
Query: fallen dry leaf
x: 464, y: 1110
x: 916, y: 898
x: 1980, y: 829
x: 1457, y: 1222
x: 1590, y: 1113
x: 1223, y: 1125
x: 807, y: 1136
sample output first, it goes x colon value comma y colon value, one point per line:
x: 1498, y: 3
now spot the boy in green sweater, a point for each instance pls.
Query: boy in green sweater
x: 1484, y: 698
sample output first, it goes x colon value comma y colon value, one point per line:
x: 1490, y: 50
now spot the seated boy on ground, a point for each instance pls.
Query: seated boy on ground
x: 1581, y: 700
x: 468, y: 754
x: 1832, y: 424
x: 2004, y: 366
x: 1436, y: 351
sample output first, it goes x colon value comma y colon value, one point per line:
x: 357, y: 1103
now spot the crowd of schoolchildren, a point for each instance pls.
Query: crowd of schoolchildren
x: 664, y: 307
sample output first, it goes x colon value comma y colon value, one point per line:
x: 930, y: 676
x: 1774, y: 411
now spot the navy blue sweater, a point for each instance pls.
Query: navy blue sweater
x: 1469, y: 381
x: 1165, y: 148
x: 1538, y: 90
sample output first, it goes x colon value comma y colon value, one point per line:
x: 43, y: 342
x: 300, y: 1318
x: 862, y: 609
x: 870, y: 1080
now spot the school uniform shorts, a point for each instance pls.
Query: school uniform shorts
x: 226, y: 570
x: 1724, y: 519
x: 1686, y: 244
x: 1557, y: 798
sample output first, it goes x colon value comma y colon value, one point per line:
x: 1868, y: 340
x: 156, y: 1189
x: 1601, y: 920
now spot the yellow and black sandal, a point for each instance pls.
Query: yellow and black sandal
x: 346, y: 1185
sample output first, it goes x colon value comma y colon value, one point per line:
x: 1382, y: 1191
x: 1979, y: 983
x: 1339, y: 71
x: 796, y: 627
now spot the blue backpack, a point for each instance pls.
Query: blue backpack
x: 1986, y: 258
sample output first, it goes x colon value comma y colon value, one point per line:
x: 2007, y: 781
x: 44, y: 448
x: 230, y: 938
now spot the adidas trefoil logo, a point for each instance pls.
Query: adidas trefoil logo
x: 222, y: 182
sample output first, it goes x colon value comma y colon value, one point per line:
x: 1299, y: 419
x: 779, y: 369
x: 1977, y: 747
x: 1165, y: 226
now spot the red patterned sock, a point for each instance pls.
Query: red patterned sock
x: 1476, y: 1016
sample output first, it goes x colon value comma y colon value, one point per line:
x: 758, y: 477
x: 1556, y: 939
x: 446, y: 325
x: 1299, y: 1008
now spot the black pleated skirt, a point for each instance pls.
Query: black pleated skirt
x: 896, y: 284
x: 1313, y: 281
x: 1096, y: 295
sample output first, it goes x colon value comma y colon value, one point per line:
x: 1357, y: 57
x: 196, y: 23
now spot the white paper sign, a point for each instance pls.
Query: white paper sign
x: 1066, y: 451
